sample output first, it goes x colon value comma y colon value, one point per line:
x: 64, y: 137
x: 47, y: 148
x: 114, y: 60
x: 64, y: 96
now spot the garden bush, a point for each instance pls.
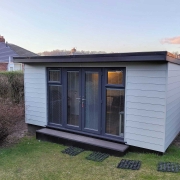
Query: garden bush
x: 10, y: 114
x: 12, y: 86
x: 11, y: 101
x: 3, y: 130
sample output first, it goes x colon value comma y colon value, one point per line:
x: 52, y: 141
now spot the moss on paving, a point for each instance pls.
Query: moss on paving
x: 33, y: 159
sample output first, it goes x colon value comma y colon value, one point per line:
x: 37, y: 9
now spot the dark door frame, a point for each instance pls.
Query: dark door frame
x: 82, y: 82
x: 102, y: 101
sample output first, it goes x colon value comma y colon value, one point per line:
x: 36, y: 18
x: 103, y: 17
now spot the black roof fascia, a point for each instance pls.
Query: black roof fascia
x: 158, y: 56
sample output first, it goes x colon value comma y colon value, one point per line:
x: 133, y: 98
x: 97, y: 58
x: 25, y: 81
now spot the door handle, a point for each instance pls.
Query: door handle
x: 78, y: 98
x: 83, y: 102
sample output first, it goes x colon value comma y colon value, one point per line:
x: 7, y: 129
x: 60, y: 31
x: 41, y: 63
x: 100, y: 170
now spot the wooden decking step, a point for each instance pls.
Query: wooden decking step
x: 88, y: 143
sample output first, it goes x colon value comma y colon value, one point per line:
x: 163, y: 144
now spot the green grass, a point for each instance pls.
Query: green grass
x: 33, y: 159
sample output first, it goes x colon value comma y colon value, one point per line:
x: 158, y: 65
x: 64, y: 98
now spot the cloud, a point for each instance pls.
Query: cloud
x: 174, y: 40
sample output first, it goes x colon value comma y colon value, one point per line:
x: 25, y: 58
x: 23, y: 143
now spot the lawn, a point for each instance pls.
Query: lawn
x: 33, y: 159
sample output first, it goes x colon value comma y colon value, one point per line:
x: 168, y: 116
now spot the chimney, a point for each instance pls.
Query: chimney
x: 2, y: 39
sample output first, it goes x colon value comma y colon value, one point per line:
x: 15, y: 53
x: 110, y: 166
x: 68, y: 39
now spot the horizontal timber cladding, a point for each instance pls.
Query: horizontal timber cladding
x: 146, y: 106
x: 145, y: 99
x: 35, y: 95
x: 173, y: 104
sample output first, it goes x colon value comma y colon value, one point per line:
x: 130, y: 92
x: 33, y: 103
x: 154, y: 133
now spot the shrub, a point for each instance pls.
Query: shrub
x: 12, y: 86
x: 11, y: 101
x: 3, y: 130
x: 10, y: 113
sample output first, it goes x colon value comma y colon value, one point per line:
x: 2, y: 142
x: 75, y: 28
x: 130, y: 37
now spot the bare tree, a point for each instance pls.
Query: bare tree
x: 176, y: 53
x: 59, y: 52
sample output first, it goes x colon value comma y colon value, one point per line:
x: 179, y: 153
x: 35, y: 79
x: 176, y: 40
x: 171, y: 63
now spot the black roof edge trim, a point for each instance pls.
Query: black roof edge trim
x: 99, y: 55
x: 157, y: 56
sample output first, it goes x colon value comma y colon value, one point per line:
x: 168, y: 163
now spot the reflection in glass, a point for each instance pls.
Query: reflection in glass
x: 91, y: 100
x: 55, y: 104
x: 54, y: 75
x: 115, y: 112
x: 73, y: 95
x: 115, y: 77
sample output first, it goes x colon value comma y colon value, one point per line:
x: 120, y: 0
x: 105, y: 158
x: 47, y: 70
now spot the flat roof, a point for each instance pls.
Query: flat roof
x: 155, y: 56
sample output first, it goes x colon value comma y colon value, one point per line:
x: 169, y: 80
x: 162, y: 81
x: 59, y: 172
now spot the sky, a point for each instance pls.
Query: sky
x: 92, y: 25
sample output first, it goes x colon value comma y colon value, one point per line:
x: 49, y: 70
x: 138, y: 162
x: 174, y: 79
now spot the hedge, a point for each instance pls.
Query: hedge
x: 12, y: 86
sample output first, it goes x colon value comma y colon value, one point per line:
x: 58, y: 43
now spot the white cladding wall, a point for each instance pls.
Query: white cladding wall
x: 35, y: 95
x: 173, y: 104
x: 145, y: 102
x: 145, y: 106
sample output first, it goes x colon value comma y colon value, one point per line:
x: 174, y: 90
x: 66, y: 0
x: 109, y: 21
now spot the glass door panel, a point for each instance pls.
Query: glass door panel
x: 74, y: 100
x: 115, y: 112
x: 91, y: 100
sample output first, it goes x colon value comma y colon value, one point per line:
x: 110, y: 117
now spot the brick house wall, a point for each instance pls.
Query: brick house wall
x: 3, y: 66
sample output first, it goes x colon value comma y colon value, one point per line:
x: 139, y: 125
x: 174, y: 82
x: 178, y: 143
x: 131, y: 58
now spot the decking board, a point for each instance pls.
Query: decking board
x: 81, y: 141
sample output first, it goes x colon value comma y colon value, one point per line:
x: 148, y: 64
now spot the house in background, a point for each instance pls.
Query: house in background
x: 125, y: 98
x: 7, y: 52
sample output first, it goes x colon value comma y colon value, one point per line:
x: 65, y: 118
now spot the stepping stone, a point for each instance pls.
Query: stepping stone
x: 97, y: 156
x: 168, y: 167
x: 72, y: 151
x: 129, y: 164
